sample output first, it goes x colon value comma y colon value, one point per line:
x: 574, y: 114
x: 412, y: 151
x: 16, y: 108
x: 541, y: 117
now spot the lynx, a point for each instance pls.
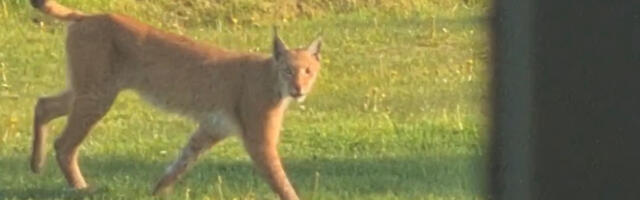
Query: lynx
x: 227, y: 93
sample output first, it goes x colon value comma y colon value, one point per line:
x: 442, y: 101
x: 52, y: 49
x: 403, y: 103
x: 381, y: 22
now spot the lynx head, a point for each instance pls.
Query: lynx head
x: 297, y: 69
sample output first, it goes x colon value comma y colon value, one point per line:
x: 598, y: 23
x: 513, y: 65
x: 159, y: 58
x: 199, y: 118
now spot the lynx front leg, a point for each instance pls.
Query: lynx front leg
x: 261, y: 140
x: 201, y: 140
x: 268, y: 163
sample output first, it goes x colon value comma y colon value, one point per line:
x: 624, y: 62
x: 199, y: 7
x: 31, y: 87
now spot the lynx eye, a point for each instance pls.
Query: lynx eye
x: 307, y: 71
x: 288, y: 72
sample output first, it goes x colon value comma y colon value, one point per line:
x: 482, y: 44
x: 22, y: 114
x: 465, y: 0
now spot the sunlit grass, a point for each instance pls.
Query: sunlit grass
x: 396, y: 113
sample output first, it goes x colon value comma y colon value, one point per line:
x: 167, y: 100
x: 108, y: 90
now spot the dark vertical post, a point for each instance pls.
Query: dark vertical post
x: 580, y: 106
x: 510, y: 156
x: 587, y: 110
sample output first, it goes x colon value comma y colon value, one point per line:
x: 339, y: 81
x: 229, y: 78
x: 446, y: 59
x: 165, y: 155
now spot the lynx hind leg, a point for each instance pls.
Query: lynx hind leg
x: 87, y: 109
x: 203, y: 139
x: 47, y: 109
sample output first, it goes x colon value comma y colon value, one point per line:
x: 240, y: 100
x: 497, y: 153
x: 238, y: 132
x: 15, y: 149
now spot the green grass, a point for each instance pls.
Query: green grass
x: 396, y: 114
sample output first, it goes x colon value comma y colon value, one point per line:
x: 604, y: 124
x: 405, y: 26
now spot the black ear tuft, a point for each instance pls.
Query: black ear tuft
x: 279, y: 48
x: 314, y: 47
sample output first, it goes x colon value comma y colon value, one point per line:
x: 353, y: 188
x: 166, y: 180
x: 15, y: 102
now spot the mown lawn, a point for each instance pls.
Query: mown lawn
x: 396, y: 114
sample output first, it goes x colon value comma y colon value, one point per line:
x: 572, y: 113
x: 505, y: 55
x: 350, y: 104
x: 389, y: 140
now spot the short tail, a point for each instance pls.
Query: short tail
x: 53, y: 8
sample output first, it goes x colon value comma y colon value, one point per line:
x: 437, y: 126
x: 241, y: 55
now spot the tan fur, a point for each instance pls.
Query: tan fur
x: 226, y: 92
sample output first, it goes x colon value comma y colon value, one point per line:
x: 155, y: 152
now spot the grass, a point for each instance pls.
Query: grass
x: 396, y: 113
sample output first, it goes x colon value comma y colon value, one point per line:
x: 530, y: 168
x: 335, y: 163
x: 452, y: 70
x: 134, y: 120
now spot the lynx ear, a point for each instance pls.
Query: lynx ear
x: 314, y: 47
x: 279, y: 48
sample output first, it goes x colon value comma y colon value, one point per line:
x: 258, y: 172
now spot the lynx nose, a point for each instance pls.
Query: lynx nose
x: 297, y: 91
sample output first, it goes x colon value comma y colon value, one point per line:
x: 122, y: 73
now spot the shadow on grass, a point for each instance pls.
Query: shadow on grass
x: 50, y: 193
x: 408, y: 176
